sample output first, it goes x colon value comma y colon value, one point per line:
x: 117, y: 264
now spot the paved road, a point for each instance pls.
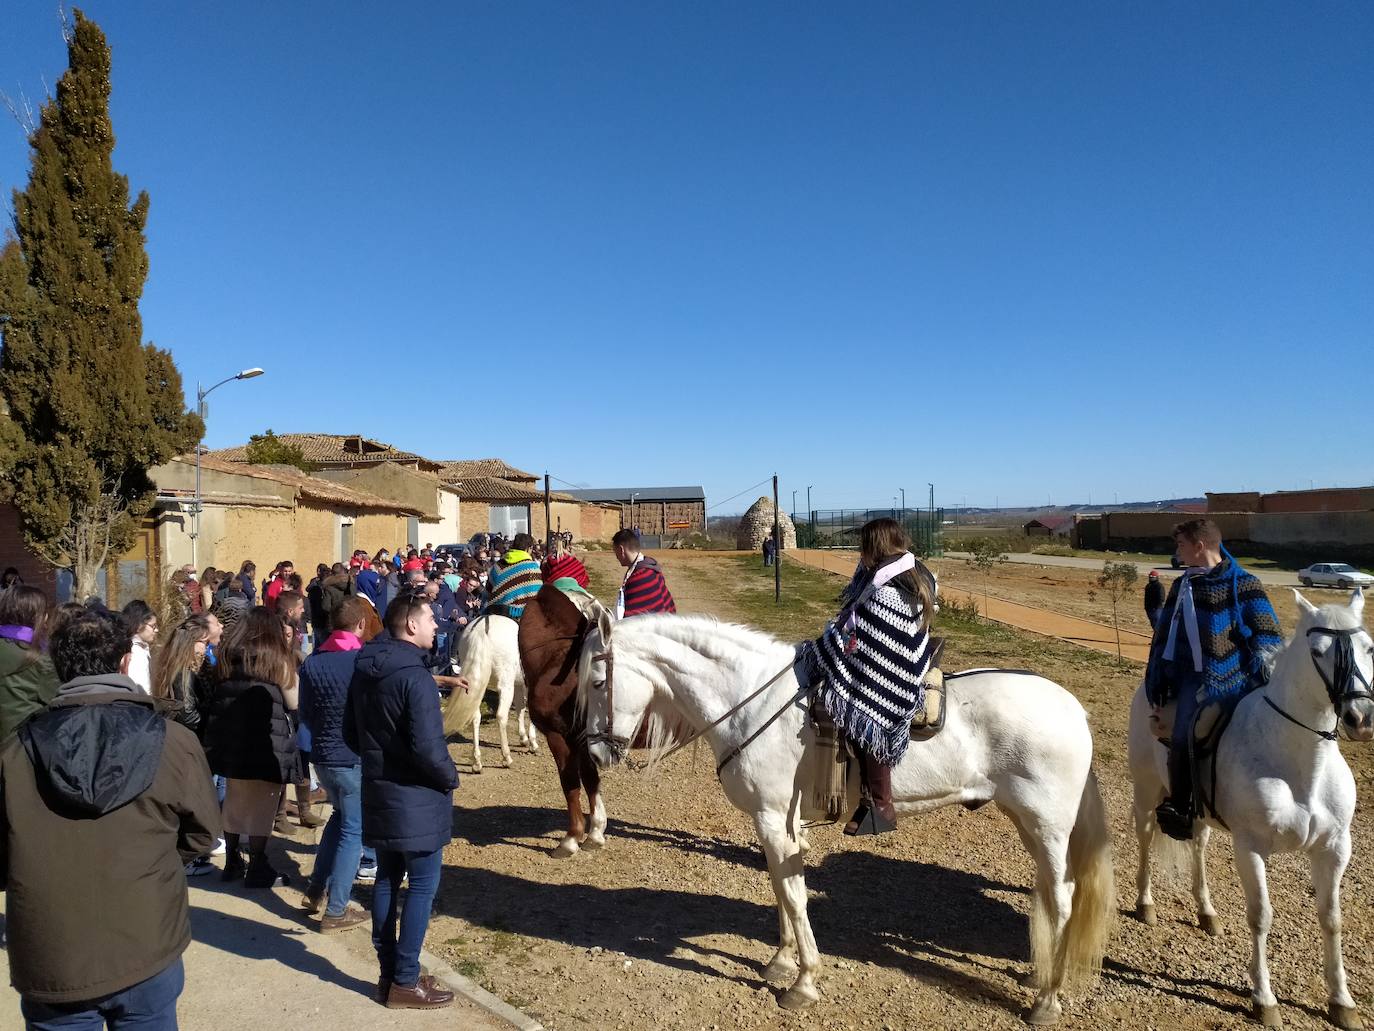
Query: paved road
x: 257, y: 960
x: 1268, y: 577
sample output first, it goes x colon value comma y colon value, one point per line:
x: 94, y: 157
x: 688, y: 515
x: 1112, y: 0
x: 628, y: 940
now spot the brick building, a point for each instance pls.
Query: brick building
x: 655, y: 511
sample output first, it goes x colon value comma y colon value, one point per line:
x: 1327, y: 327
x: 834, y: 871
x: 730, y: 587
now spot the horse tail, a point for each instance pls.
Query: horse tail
x: 474, y: 656
x: 1084, y: 941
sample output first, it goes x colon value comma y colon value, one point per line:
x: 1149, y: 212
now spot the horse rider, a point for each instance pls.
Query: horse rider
x: 515, y: 579
x: 871, y: 661
x: 643, y: 590
x: 1216, y: 636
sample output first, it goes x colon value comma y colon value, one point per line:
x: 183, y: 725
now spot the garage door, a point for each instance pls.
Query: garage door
x: 508, y: 520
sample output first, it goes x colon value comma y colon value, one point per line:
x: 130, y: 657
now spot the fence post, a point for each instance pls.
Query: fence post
x: 777, y: 545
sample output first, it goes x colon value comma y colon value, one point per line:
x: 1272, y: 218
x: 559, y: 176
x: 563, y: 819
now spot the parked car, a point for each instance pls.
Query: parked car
x: 1333, y: 574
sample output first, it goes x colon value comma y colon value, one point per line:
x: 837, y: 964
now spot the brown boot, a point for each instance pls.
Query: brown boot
x: 305, y: 811
x: 424, y: 994
x: 875, y: 814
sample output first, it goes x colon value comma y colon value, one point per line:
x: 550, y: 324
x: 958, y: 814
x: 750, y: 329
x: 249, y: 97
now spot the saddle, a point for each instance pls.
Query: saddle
x: 833, y: 761
x: 1210, y: 723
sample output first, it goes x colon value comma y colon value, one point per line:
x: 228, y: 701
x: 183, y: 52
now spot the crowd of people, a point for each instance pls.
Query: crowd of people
x: 135, y: 746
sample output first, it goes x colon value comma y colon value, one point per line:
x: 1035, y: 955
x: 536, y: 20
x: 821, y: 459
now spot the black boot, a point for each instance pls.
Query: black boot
x: 234, y: 867
x: 875, y: 814
x: 261, y: 873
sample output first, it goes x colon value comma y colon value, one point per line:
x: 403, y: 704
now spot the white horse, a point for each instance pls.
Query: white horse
x: 1014, y: 739
x: 1282, y: 785
x: 489, y: 654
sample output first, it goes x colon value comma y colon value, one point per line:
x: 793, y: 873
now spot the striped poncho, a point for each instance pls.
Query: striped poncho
x: 514, y: 584
x: 873, y: 675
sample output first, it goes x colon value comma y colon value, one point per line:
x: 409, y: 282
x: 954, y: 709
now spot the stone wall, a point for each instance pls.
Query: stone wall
x: 757, y: 526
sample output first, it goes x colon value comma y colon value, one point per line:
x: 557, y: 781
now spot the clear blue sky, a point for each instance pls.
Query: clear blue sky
x: 1023, y: 251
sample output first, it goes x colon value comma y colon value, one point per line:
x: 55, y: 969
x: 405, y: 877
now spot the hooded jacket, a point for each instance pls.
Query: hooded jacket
x: 394, y: 724
x: 102, y: 803
x: 27, y: 683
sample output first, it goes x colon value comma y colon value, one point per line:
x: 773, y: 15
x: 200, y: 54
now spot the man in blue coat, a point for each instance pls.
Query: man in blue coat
x: 394, y: 724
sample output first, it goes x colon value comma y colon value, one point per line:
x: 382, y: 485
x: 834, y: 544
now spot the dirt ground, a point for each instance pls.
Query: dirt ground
x: 670, y: 924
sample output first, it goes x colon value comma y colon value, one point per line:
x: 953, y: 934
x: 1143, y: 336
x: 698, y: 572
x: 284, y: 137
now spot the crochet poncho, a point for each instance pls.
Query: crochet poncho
x: 874, y: 675
x: 1238, y: 629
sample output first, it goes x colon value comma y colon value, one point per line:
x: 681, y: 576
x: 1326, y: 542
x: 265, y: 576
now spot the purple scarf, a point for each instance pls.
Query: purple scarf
x: 17, y: 633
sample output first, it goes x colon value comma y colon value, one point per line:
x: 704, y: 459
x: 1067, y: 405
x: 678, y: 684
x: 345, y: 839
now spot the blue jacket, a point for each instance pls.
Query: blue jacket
x: 325, y: 677
x: 393, y: 722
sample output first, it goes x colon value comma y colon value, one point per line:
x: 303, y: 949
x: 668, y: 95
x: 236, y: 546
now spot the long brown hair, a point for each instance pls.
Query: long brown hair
x: 178, y: 653
x: 884, y: 538
x: 255, y: 648
x: 22, y: 605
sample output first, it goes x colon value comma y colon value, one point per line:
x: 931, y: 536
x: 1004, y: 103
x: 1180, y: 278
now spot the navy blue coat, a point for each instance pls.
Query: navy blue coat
x: 325, y: 677
x: 393, y: 722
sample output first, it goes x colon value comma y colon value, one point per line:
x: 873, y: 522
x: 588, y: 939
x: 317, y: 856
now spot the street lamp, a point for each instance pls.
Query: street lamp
x: 632, y: 508
x: 903, y: 490
x: 201, y: 394
x: 794, y: 506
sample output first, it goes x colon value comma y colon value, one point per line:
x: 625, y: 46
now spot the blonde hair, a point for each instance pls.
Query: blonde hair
x: 178, y: 654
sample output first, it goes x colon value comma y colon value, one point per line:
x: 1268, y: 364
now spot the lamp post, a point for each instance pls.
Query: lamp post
x: 632, y: 508
x: 201, y: 394
x: 794, y: 507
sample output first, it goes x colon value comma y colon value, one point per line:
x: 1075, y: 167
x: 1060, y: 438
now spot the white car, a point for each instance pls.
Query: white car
x: 1334, y: 574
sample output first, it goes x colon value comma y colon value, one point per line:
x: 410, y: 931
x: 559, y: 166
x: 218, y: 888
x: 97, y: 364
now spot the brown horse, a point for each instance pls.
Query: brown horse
x: 552, y: 631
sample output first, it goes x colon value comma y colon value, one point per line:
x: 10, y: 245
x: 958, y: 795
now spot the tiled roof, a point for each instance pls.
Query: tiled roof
x: 334, y: 449
x: 489, y: 488
x: 308, y: 486
x: 482, y: 467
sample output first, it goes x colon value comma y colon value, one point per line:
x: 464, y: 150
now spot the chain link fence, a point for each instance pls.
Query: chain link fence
x: 840, y: 527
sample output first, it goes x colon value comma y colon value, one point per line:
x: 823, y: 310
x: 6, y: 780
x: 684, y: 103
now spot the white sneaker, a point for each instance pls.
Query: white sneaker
x: 218, y: 850
x: 199, y: 867
x: 367, y: 874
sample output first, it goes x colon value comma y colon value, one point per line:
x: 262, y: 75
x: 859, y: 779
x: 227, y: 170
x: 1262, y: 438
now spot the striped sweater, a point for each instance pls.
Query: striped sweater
x: 514, y: 585
x: 645, y: 590
x: 1238, y: 629
x: 565, y: 565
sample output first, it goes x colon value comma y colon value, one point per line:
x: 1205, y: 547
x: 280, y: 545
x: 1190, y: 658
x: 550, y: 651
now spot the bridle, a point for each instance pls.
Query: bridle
x: 1342, y: 686
x: 620, y: 746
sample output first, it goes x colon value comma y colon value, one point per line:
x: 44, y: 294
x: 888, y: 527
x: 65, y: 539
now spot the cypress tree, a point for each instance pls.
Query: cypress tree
x: 89, y: 406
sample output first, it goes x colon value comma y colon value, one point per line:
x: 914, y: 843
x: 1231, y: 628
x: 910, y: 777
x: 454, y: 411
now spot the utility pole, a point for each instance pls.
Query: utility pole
x: 548, y: 523
x: 777, y: 544
x: 903, y: 490
x: 794, y: 508
x: 201, y: 394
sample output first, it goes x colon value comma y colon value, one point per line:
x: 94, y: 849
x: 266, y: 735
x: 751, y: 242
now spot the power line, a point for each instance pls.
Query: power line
x: 766, y: 480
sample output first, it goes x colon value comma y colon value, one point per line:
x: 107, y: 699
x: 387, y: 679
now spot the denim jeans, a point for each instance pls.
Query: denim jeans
x: 1180, y: 764
x: 399, y: 957
x: 150, y: 1005
x: 341, y: 843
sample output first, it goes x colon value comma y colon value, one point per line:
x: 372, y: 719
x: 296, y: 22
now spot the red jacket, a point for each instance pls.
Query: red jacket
x: 645, y: 590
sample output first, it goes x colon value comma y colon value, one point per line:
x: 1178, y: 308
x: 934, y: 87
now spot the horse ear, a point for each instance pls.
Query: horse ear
x: 604, y: 619
x: 1357, y: 601
x: 1304, y: 606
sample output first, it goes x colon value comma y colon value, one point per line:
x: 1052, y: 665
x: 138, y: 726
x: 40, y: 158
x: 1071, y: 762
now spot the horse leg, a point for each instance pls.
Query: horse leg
x: 1144, y: 836
x: 786, y: 870
x: 1050, y: 907
x: 572, y: 794
x: 1206, y: 916
x: 590, y: 777
x: 1258, y: 915
x: 477, y: 740
x: 1328, y: 866
x: 503, y: 705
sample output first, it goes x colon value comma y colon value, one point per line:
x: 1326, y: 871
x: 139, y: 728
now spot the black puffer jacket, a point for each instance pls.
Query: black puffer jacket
x: 247, y: 733
x: 393, y: 722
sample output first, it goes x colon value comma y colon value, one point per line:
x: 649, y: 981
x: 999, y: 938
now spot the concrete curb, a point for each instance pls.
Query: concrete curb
x: 476, y: 994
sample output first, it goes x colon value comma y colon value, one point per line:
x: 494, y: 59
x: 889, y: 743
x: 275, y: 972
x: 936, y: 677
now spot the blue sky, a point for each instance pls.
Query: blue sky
x: 1027, y: 252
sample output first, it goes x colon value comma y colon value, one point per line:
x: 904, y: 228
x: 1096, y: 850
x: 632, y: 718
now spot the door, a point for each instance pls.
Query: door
x: 508, y: 520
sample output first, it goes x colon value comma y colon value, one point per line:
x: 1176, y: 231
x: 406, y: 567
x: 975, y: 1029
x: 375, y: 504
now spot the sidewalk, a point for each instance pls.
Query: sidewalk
x: 1084, y: 632
x: 257, y: 957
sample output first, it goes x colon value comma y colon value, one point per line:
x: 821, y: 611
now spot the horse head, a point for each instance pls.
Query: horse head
x: 1342, y: 653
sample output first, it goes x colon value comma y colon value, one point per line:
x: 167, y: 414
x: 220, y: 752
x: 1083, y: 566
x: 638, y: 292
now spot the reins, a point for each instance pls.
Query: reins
x: 1340, y: 686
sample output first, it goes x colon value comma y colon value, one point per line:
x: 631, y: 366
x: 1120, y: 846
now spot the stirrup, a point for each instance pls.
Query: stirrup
x: 867, y: 820
x: 1178, y: 825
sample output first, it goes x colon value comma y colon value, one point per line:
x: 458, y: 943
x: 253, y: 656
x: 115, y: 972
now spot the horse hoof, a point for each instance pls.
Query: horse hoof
x: 565, y: 848
x: 780, y: 969
x: 1044, y: 1013
x: 1210, y: 923
x: 1146, y: 914
x: 1268, y: 1016
x: 1347, y: 1018
x: 797, y: 999
x: 594, y: 841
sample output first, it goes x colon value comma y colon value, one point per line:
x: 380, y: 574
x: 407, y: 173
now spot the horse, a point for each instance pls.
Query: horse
x: 489, y: 656
x: 1282, y: 785
x: 1015, y: 739
x: 551, y: 633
